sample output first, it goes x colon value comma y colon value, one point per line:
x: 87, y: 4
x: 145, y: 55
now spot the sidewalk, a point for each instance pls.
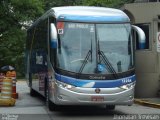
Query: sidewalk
x: 150, y: 102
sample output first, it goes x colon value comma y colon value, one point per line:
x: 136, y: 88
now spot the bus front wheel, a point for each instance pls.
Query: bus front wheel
x: 52, y: 106
x: 33, y: 93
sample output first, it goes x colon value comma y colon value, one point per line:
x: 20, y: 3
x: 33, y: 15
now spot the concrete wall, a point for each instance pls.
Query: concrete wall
x: 147, y: 61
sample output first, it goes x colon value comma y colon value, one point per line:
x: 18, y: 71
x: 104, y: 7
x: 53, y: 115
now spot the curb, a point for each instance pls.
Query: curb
x: 146, y: 103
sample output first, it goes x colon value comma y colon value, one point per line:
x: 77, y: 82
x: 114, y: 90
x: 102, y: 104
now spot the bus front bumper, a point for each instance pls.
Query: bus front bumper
x: 88, y: 96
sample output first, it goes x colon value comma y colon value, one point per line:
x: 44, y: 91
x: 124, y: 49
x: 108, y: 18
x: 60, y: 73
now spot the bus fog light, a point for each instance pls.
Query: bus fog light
x: 131, y: 97
x: 60, y: 97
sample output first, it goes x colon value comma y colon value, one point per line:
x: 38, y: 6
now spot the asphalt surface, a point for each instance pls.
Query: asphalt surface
x: 35, y: 108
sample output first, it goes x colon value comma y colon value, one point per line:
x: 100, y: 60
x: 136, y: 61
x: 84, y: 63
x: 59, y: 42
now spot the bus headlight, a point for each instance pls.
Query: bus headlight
x: 64, y: 85
x: 127, y: 86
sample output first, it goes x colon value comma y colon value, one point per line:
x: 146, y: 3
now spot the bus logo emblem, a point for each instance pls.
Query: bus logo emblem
x: 97, y: 90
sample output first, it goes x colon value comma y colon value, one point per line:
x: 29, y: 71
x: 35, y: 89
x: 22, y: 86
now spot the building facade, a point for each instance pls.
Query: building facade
x: 146, y: 15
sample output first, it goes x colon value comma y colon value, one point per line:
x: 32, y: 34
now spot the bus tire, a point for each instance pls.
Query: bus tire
x: 52, y: 106
x: 33, y: 93
x: 110, y: 107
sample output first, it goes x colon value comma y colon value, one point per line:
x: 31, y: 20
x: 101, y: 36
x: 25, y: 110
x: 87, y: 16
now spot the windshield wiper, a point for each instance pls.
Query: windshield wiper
x: 86, y: 59
x: 106, y: 62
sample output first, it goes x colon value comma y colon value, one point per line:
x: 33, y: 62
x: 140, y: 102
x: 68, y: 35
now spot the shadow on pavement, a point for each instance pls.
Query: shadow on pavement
x: 87, y: 111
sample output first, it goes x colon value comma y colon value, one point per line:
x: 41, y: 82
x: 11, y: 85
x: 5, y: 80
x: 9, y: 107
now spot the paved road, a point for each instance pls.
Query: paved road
x: 34, y: 108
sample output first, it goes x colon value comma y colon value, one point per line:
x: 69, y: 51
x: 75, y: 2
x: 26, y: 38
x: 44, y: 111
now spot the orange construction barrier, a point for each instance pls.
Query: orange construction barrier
x: 6, y: 93
x: 12, y: 74
x: 14, y: 93
x: 1, y: 80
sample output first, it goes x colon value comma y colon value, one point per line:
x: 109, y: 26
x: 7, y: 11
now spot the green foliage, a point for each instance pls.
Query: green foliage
x: 106, y: 3
x: 56, y: 3
x: 15, y: 16
x: 27, y: 9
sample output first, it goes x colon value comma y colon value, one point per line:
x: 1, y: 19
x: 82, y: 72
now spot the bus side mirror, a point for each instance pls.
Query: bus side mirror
x: 141, y: 37
x: 53, y: 36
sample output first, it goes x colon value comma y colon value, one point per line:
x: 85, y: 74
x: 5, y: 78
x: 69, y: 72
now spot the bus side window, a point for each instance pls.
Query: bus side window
x: 39, y: 49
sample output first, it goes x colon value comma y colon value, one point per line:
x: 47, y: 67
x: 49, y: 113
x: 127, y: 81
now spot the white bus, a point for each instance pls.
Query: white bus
x: 82, y: 56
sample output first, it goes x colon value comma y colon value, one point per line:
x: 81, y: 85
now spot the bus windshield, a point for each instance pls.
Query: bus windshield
x: 85, y: 48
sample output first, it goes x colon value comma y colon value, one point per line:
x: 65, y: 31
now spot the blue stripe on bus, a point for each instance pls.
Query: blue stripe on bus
x: 94, y: 18
x: 95, y: 83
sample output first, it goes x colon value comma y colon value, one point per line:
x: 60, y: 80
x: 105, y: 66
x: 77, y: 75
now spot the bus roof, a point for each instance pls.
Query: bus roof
x: 85, y: 14
x: 90, y: 14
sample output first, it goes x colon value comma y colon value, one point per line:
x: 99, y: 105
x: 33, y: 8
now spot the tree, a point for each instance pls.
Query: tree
x: 14, y: 15
x: 106, y: 3
x: 56, y: 3
x: 17, y: 15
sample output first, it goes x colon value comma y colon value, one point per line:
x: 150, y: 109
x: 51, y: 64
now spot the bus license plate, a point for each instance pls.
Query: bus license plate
x: 97, y: 98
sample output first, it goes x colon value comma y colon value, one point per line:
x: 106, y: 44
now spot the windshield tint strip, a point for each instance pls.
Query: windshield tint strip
x: 93, y: 18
